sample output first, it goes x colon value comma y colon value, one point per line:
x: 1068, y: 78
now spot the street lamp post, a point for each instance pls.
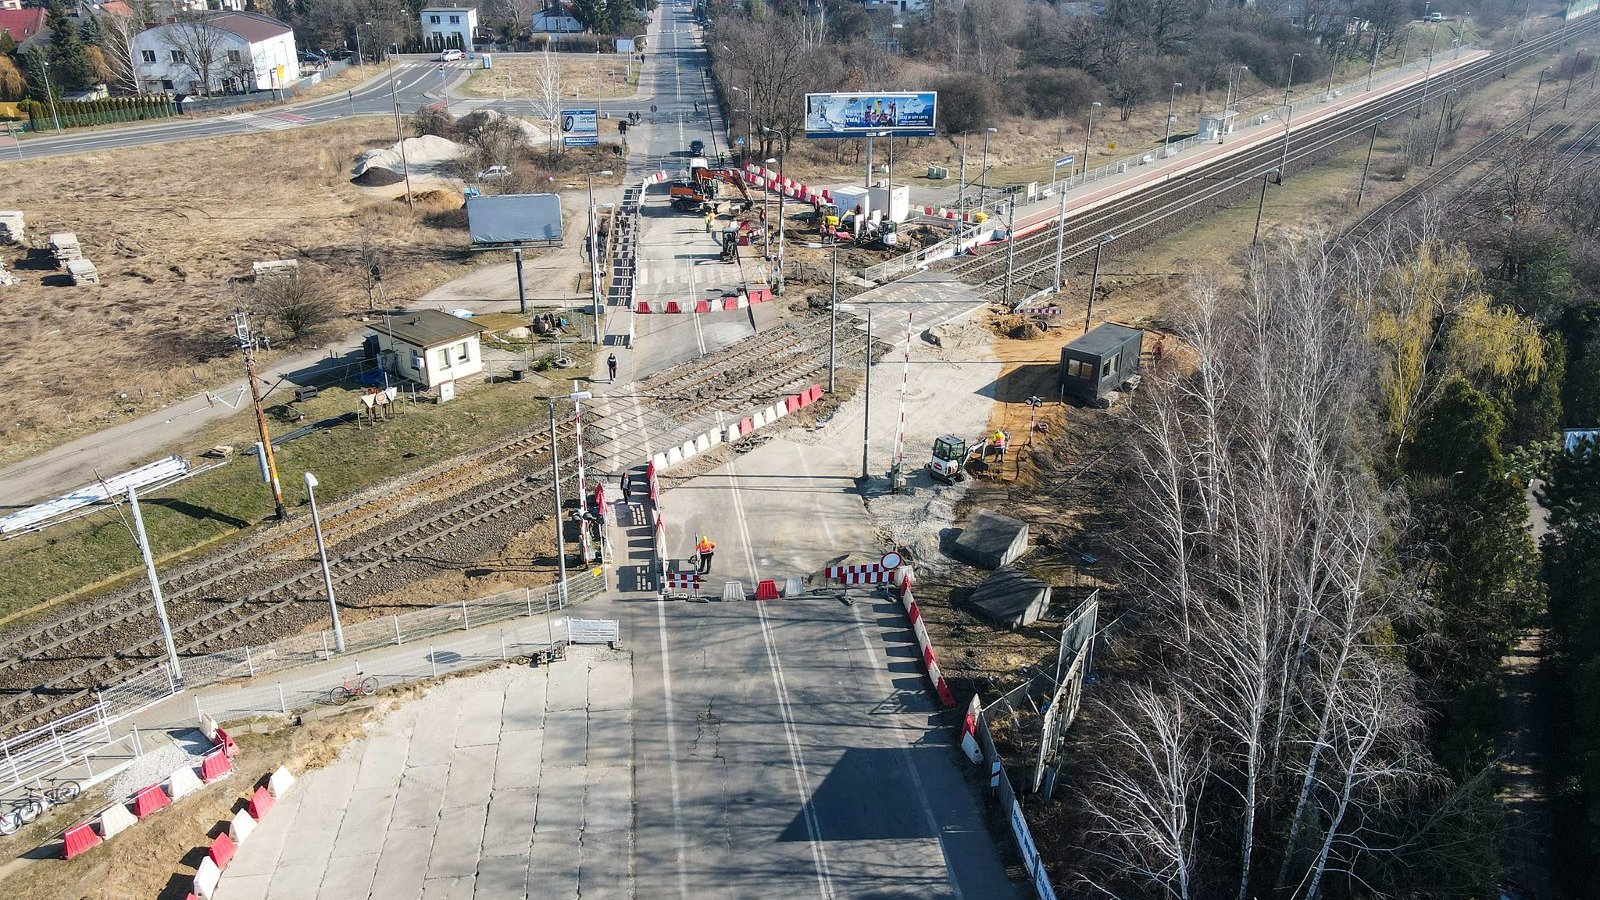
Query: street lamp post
x: 322, y: 554
x: 1094, y: 280
x: 1170, y: 101
x: 1360, y: 191
x: 833, y: 315
x: 359, y: 61
x: 1083, y: 170
x: 555, y: 477
x: 1290, y: 86
x: 143, y: 540
x: 1572, y: 75
x: 749, y: 113
x: 50, y: 91
x: 1227, y: 105
x: 961, y: 192
x: 1288, y: 128
x: 1534, y: 111
x: 983, y: 191
x: 1373, y: 69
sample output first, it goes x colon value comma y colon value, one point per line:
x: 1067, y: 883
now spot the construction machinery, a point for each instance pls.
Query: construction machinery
x: 700, y: 187
x: 949, y: 462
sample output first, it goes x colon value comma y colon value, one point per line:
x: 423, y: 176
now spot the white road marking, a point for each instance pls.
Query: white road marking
x: 672, y: 750
x: 797, y: 760
x: 905, y: 753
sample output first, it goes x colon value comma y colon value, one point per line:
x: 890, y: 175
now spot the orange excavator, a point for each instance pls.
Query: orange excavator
x: 701, y: 187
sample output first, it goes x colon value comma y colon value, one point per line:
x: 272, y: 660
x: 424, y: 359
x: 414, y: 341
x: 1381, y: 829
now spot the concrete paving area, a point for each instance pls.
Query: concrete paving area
x: 513, y: 783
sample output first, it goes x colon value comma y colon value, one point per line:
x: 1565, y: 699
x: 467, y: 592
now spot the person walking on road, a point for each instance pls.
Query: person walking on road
x: 711, y: 219
x: 627, y: 487
x: 611, y: 366
x: 704, y: 548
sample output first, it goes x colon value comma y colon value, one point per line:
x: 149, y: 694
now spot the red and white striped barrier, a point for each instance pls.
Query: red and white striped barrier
x: 734, y: 430
x: 683, y: 581
x: 930, y: 660
x: 858, y: 573
x: 728, y: 302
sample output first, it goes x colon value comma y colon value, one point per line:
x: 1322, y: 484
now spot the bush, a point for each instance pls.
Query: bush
x: 1051, y: 93
x: 297, y: 303
x: 967, y: 104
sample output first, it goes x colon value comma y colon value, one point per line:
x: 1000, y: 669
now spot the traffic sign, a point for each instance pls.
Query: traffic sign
x: 1066, y: 161
x: 890, y: 560
x: 739, y: 141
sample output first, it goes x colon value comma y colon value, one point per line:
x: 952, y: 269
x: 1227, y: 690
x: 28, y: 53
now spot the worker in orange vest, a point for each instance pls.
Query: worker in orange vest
x: 997, y: 444
x: 703, y: 549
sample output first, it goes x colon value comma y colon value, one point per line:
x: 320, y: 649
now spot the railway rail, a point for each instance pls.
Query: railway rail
x: 270, y: 586
x: 1174, y: 201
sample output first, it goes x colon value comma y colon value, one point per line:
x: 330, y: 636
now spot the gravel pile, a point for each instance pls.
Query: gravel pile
x: 149, y: 769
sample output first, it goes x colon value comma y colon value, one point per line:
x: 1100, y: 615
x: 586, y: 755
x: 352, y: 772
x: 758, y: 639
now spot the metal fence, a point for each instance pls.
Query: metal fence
x: 143, y: 691
x: 1010, y: 807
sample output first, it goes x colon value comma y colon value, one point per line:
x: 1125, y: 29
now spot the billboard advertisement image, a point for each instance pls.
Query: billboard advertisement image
x: 857, y: 115
x: 579, y: 128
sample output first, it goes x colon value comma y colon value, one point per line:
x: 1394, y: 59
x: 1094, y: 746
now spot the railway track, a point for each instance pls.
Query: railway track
x: 269, y: 586
x: 1174, y: 202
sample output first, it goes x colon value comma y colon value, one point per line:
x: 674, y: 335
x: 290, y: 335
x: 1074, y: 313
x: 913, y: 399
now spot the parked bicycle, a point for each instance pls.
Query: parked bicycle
x: 357, y: 685
x: 35, y: 802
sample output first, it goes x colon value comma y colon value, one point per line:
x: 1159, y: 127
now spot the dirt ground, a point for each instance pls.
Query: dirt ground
x: 582, y: 75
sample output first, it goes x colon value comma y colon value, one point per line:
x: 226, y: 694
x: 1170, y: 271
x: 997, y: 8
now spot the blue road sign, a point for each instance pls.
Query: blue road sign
x: 1065, y: 161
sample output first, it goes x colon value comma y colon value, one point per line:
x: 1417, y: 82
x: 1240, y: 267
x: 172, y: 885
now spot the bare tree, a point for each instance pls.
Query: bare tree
x: 198, y: 46
x: 122, y: 59
x: 547, y: 97
x: 298, y: 303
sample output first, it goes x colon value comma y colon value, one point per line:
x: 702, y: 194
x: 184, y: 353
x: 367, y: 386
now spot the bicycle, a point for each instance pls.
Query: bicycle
x: 357, y: 685
x: 35, y: 802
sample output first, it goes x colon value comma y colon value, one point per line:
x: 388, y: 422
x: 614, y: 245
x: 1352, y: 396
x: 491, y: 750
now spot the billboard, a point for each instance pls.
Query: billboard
x: 858, y: 115
x: 512, y: 219
x: 579, y: 128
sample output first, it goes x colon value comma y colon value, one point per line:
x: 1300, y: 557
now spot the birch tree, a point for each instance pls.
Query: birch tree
x: 547, y: 98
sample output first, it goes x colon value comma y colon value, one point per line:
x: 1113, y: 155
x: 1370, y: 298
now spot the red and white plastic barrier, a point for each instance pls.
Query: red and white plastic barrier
x: 736, y: 429
x: 930, y: 661
x: 221, y: 852
x: 683, y: 581
x: 726, y: 303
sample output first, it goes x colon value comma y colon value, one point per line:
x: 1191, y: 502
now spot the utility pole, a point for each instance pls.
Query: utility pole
x: 866, y: 414
x: 1260, y: 206
x: 400, y: 139
x: 1087, y: 135
x: 1438, y: 134
x: 1171, y: 100
x: 983, y: 191
x: 1011, y: 248
x: 555, y: 478
x: 247, y: 346
x: 522, y: 290
x: 1534, y: 110
x: 1360, y: 191
x: 322, y: 554
x: 1373, y: 69
x: 594, y: 260
x: 1061, y: 219
x: 1288, y: 88
x: 833, y: 315
x: 1288, y: 128
x: 961, y: 193
x: 1094, y: 280
x: 143, y: 540
x: 1572, y: 75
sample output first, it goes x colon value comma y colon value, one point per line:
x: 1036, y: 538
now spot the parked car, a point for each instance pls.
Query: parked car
x: 494, y: 172
x: 697, y: 147
x: 1435, y: 17
x: 451, y: 55
x: 313, y: 59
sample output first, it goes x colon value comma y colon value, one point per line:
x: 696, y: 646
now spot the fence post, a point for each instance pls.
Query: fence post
x: 527, y: 594
x: 324, y: 645
x: 197, y: 711
x: 433, y: 662
x: 465, y: 625
x: 138, y: 745
x: 15, y: 776
x: 502, y: 645
x: 397, y: 631
x: 249, y: 663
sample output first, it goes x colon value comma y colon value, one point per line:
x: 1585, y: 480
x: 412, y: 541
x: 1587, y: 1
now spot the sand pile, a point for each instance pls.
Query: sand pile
x: 422, y: 154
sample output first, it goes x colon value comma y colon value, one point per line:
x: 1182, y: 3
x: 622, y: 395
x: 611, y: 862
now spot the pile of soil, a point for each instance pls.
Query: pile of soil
x: 377, y: 176
x: 1026, y: 331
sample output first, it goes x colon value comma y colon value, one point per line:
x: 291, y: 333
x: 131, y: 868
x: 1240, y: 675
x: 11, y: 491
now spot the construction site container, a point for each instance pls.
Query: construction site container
x: 1100, y: 362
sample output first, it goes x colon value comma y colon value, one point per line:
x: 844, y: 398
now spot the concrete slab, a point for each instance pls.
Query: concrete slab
x: 434, y: 736
x: 560, y: 799
x: 553, y: 865
x: 348, y: 877
x: 454, y: 888
x: 294, y: 882
x: 501, y: 877
x: 479, y: 721
x: 260, y: 854
x: 382, y: 760
x: 610, y: 687
x: 308, y: 849
x: 508, y: 830
x: 456, y: 845
x: 519, y: 759
x: 325, y: 794
x: 568, y: 687
x: 566, y: 737
x: 365, y: 823
x: 403, y: 863
x: 610, y: 736
x: 603, y: 865
x: 243, y: 887
x: 607, y: 798
x: 471, y: 776
x: 524, y: 701
x: 420, y: 798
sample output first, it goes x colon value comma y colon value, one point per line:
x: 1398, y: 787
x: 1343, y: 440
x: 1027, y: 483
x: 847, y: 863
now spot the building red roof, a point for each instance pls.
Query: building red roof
x: 22, y: 24
x: 117, y: 8
x: 253, y: 27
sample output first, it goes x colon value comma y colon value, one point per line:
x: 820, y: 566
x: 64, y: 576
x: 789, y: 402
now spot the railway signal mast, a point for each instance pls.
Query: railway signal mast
x: 247, y: 346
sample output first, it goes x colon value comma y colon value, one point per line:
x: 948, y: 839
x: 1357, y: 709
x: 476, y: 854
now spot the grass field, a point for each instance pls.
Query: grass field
x: 168, y: 226
x: 97, y: 549
x: 582, y: 75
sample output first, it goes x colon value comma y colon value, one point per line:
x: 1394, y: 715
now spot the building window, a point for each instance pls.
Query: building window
x: 455, y: 20
x: 1108, y: 367
x: 444, y: 358
x: 463, y: 352
x: 416, y: 361
x: 233, y: 56
x: 177, y: 56
x: 166, y: 84
x: 1079, y: 369
x: 433, y: 20
x: 148, y: 56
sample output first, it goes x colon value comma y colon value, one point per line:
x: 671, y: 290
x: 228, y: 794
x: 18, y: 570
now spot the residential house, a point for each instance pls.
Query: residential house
x: 449, y: 26
x: 24, y: 25
x: 556, y: 18
x: 234, y: 52
x: 429, y: 346
x: 10, y: 4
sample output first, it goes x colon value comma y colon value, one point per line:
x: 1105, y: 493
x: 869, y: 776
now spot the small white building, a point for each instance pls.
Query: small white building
x: 441, y: 24
x: 429, y: 346
x: 232, y: 52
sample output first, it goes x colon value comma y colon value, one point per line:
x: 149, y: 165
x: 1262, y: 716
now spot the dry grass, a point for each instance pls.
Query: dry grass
x: 582, y: 75
x: 168, y: 227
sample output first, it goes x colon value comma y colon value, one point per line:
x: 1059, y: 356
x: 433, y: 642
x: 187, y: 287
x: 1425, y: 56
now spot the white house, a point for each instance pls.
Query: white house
x: 232, y: 52
x: 441, y: 23
x: 429, y: 346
